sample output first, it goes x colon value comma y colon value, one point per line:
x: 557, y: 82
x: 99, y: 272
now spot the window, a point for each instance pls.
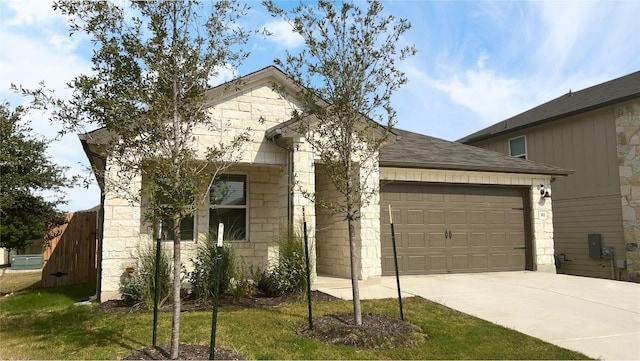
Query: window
x: 186, y: 225
x: 186, y: 229
x: 518, y: 147
x: 228, y: 205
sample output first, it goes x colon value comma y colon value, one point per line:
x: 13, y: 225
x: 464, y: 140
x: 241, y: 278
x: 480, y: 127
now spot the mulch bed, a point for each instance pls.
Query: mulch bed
x: 185, y: 352
x: 376, y: 332
x: 191, y: 304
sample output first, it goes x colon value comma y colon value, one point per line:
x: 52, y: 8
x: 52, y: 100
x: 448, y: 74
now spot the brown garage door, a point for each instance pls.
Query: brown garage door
x: 449, y: 229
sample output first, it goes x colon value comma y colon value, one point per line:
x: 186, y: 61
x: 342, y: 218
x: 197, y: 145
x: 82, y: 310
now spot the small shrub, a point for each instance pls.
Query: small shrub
x: 138, y: 288
x: 289, y: 275
x: 202, y: 278
x: 241, y: 286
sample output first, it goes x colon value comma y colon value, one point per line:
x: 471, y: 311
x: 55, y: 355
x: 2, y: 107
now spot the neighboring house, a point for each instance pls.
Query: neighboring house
x: 596, y: 132
x: 456, y: 208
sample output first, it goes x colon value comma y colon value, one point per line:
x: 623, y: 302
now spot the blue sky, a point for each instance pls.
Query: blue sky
x: 477, y: 62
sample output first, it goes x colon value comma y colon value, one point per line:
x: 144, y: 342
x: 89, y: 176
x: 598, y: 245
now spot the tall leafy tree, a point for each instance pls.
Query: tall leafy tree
x: 349, y: 62
x: 31, y: 186
x: 152, y: 64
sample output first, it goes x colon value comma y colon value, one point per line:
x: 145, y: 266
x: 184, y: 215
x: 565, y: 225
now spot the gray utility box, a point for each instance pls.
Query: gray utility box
x: 595, y: 245
x: 26, y: 262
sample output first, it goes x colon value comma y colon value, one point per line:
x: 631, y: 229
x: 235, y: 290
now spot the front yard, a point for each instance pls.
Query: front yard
x: 45, y: 324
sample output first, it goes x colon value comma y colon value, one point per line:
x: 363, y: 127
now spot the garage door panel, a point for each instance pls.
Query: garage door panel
x: 443, y: 229
x: 477, y: 217
x: 517, y: 239
x: 460, y: 262
x: 416, y: 263
x: 436, y: 218
x: 415, y: 217
x: 496, y: 218
x: 458, y: 217
x: 435, y: 196
x: 479, y: 262
x: 459, y: 240
x: 478, y: 240
x: 457, y: 197
x: 437, y: 264
x: 416, y: 241
x: 498, y: 240
x: 499, y: 261
x: 513, y: 217
x: 437, y: 241
x: 514, y: 260
x: 415, y: 197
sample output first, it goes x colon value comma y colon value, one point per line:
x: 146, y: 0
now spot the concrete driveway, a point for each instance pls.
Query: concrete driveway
x: 600, y: 318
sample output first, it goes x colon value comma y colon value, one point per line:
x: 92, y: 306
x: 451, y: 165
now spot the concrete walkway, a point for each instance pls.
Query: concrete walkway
x: 599, y: 318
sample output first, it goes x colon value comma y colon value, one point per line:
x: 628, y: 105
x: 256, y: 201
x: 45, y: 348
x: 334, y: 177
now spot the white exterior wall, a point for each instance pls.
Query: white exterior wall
x: 541, y: 210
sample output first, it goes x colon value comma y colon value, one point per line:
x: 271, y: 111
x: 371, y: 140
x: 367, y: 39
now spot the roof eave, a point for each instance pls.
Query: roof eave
x: 474, y: 168
x: 481, y: 137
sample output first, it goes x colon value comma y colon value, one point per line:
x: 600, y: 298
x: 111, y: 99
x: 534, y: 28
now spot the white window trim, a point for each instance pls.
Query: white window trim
x: 245, y: 207
x: 523, y: 155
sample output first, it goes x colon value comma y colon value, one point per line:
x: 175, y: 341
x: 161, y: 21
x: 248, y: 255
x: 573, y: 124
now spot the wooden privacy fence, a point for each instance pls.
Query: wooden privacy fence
x: 70, y: 257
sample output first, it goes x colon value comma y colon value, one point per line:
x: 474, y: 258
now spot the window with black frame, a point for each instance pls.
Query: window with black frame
x: 228, y: 205
x: 187, y: 224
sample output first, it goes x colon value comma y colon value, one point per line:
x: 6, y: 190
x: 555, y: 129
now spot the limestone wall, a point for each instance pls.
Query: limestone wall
x: 254, y: 110
x: 627, y: 119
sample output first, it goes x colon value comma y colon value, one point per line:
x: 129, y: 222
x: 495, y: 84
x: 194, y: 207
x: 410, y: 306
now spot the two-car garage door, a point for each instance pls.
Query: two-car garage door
x: 449, y: 229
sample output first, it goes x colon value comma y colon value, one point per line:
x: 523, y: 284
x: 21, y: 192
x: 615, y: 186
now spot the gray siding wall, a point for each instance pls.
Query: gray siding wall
x: 587, y: 201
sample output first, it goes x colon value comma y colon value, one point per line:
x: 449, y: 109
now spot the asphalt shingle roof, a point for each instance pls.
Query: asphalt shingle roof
x: 597, y: 96
x: 413, y: 150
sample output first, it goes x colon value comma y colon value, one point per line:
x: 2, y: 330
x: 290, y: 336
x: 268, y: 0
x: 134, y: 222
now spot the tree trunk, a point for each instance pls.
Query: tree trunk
x: 175, y: 321
x: 351, y: 217
x: 357, y: 313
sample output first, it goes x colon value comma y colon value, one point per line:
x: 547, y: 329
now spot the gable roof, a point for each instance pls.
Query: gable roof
x: 231, y: 87
x: 413, y: 150
x: 598, y: 96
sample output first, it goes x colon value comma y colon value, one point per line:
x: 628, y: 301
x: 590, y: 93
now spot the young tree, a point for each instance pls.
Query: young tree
x: 26, y: 172
x: 152, y: 64
x: 349, y: 62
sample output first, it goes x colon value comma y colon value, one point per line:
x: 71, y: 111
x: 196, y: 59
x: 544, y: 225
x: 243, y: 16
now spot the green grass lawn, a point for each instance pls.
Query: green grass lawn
x: 19, y: 281
x: 45, y: 324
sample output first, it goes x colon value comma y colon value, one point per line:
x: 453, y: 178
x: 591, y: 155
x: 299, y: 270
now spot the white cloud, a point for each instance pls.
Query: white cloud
x: 483, y: 91
x: 27, y: 61
x: 223, y: 75
x: 64, y: 42
x: 283, y: 35
x: 35, y: 48
x: 30, y: 12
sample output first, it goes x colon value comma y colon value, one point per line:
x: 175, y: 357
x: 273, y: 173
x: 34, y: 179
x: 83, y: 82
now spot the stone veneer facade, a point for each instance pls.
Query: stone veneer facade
x: 273, y: 201
x: 255, y: 107
x: 628, y: 134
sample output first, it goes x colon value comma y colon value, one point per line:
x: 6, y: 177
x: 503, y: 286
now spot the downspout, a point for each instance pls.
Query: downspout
x: 289, y: 178
x: 100, y: 233
x: 101, y: 184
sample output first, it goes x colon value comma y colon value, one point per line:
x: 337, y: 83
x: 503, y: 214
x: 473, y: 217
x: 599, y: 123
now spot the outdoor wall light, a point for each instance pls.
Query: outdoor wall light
x: 545, y: 192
